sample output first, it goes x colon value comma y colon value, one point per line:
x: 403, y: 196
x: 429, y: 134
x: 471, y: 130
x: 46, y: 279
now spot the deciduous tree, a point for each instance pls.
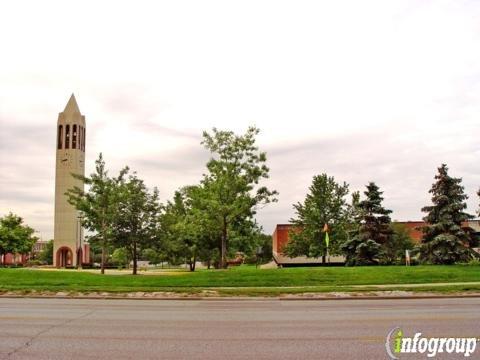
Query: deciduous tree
x: 135, y: 226
x: 231, y: 185
x: 325, y: 203
x: 98, y: 205
x: 46, y: 255
x: 15, y: 236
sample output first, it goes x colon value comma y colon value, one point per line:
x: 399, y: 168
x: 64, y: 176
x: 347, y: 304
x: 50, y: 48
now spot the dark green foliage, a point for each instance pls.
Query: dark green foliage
x: 120, y: 257
x: 46, y: 255
x: 368, y: 252
x: 376, y: 219
x: 264, y: 242
x: 324, y: 204
x: 151, y: 255
x: 15, y: 237
x: 444, y: 241
x: 191, y: 232
x: 188, y: 232
x: 394, y: 250
x: 367, y: 246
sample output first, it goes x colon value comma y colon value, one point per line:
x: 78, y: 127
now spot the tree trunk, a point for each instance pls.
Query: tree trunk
x: 223, y: 257
x: 104, y: 250
x: 102, y: 265
x: 192, y: 263
x: 134, y: 258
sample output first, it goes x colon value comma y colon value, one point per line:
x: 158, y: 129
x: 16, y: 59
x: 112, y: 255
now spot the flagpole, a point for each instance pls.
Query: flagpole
x: 327, y: 242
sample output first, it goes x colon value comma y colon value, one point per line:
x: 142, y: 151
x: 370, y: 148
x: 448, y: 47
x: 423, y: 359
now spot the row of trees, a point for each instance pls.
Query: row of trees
x: 205, y: 222
x: 363, y: 232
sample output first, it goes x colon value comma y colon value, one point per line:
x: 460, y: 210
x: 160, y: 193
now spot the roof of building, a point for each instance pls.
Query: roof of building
x: 72, y: 106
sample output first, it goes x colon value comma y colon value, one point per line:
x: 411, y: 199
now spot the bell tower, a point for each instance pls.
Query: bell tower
x: 69, y: 249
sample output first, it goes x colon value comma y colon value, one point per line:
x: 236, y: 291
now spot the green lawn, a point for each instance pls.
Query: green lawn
x: 242, y: 280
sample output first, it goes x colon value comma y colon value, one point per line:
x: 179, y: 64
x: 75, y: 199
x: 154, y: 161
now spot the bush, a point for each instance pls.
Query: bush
x: 474, y: 262
x: 34, y: 263
x: 250, y: 259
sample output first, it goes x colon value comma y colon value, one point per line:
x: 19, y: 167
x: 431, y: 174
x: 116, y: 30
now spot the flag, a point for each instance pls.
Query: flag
x: 325, y: 230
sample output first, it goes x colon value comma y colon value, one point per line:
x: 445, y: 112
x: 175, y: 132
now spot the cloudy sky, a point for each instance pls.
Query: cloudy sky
x: 380, y: 91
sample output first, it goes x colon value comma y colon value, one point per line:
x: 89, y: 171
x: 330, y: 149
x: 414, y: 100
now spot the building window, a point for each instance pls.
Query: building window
x: 84, y: 135
x: 79, y: 137
x: 67, y: 136
x: 74, y: 137
x: 60, y: 137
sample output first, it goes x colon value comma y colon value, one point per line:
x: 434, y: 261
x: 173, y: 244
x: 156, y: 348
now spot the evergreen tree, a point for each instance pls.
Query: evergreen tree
x: 324, y: 204
x: 374, y: 231
x: 444, y: 241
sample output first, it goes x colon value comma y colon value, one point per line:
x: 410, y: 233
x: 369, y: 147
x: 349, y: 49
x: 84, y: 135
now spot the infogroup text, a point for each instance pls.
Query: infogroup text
x: 397, y: 344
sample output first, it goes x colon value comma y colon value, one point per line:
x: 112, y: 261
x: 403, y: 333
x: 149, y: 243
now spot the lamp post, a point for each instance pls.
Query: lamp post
x: 259, y: 253
x: 79, y: 241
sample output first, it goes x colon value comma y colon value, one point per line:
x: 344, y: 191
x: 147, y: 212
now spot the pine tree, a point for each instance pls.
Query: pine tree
x: 374, y: 231
x: 444, y: 239
x: 376, y: 225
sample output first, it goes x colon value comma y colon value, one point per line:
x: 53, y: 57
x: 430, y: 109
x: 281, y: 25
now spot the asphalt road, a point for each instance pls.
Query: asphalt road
x: 224, y: 329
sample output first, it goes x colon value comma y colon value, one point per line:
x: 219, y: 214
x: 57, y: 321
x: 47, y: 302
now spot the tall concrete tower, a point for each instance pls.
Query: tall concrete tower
x: 68, y: 248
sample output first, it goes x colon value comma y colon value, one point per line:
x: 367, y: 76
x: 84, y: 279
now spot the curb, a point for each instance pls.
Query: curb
x: 244, y: 298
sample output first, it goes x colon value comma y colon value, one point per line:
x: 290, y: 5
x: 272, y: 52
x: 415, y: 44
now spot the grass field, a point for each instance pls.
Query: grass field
x: 246, y: 280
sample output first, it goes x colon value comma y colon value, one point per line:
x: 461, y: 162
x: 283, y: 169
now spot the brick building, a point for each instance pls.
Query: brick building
x: 282, y: 232
x: 416, y: 234
x: 280, y: 238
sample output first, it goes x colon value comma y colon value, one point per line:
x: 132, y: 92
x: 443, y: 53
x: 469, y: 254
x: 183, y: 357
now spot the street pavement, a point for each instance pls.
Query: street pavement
x: 225, y: 329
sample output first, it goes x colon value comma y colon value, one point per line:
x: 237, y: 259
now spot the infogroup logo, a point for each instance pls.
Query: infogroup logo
x: 397, y: 343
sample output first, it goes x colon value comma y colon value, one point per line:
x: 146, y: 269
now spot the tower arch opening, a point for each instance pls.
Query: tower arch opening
x: 64, y: 257
x: 60, y: 137
x: 67, y: 136
x: 74, y: 136
x: 80, y: 137
x: 83, y: 138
